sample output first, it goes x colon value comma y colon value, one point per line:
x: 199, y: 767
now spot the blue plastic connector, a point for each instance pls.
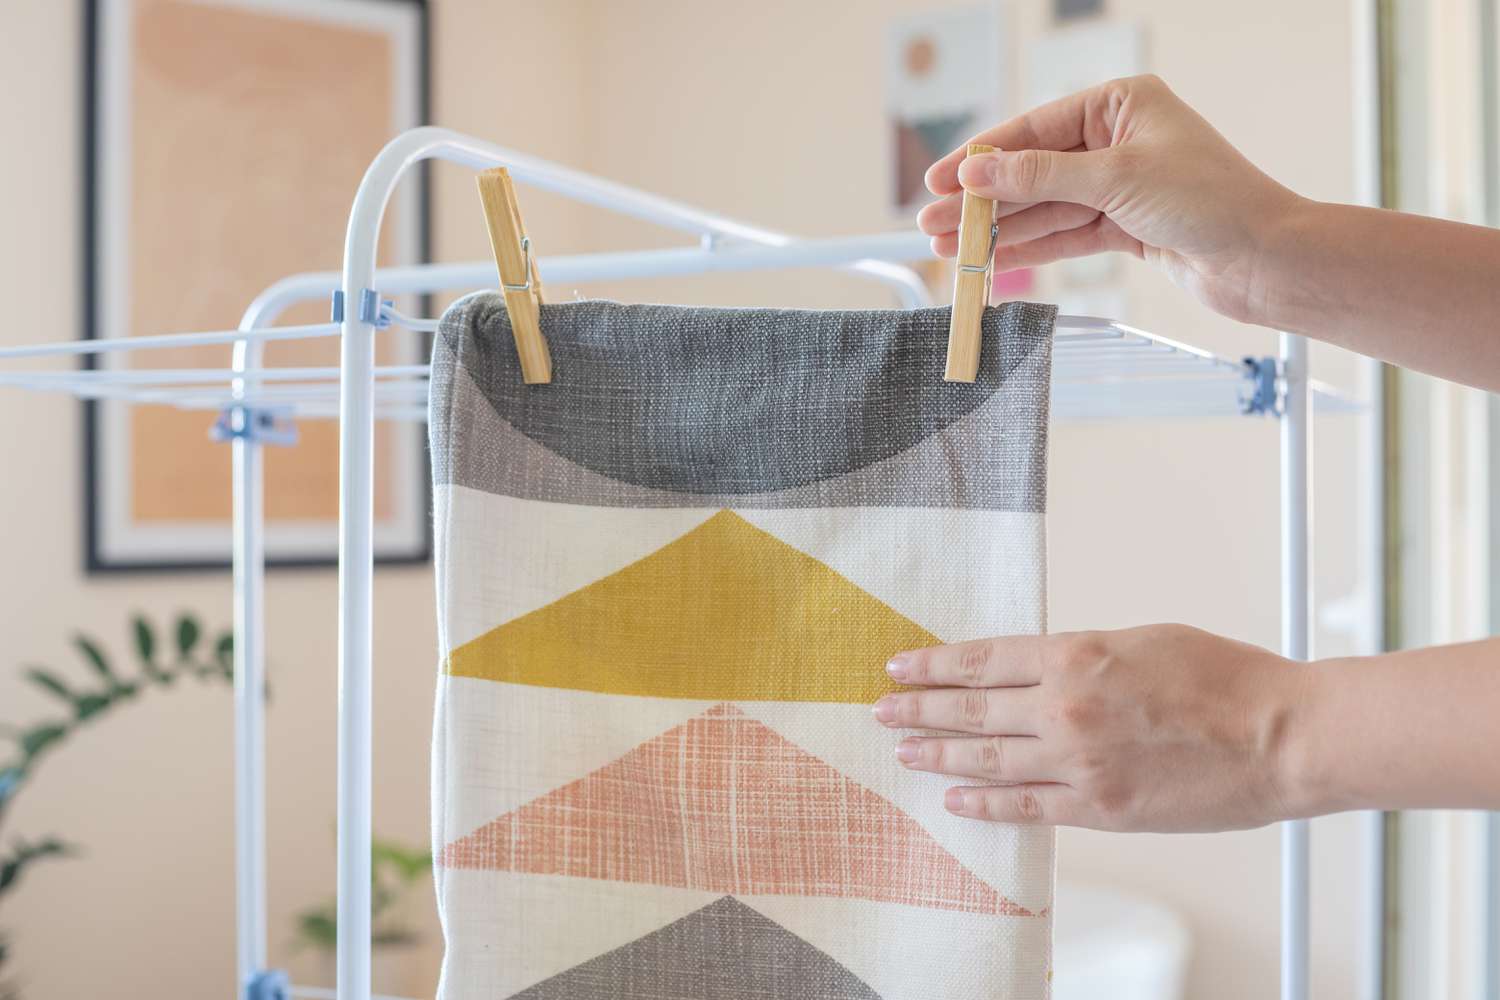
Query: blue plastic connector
x: 372, y: 310
x: 1262, y: 391
x: 268, y: 984
x: 254, y: 426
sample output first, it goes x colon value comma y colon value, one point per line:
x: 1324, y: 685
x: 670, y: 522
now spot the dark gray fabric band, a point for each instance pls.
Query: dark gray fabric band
x: 677, y: 406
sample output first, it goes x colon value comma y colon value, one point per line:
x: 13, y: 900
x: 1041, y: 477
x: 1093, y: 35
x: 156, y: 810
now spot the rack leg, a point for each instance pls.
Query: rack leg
x: 1296, y: 608
x: 249, y: 713
x: 356, y: 571
x: 1490, y: 922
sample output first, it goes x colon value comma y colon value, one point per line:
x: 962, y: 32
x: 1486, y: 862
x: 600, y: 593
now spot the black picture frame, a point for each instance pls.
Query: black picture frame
x: 95, y: 559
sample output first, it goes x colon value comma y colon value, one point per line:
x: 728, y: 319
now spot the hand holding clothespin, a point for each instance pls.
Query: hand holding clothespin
x: 977, y: 235
x: 519, y: 281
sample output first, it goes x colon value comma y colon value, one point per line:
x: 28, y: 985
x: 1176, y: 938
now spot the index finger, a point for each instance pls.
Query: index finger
x: 1057, y: 125
x: 1007, y: 661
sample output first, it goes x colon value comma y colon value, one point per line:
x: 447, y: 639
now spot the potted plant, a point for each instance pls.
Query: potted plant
x: 102, y: 689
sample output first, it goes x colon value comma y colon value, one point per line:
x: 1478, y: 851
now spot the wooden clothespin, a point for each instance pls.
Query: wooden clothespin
x: 519, y: 281
x: 977, y: 232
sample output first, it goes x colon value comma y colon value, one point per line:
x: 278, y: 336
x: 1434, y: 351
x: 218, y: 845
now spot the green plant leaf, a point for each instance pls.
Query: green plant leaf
x: 25, y: 854
x: 393, y: 937
x: 409, y: 863
x: 224, y: 651
x: 40, y: 737
x: 187, y: 635
x: 145, y: 641
x: 51, y: 683
x: 95, y: 658
x: 224, y: 661
x: 380, y: 899
x: 86, y: 706
x: 318, y: 928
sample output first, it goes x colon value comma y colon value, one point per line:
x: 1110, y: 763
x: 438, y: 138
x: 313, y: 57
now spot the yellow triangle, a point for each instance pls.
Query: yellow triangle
x: 727, y: 612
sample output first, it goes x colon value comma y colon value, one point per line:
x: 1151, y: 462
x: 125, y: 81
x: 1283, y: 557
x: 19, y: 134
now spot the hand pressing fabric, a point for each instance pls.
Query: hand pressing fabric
x: 1167, y: 728
x: 1157, y: 728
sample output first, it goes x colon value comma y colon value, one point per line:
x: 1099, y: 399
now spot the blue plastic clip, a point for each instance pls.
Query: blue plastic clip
x: 1262, y: 393
x: 268, y: 984
x: 372, y: 310
x: 254, y: 426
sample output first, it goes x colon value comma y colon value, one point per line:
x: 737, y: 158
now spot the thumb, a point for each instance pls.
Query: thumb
x: 1036, y: 175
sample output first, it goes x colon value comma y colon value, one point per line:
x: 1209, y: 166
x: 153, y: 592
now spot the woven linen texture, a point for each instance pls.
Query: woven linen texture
x: 668, y: 583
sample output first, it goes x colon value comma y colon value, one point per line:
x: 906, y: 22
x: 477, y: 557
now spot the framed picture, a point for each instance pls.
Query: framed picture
x: 943, y: 83
x: 224, y: 140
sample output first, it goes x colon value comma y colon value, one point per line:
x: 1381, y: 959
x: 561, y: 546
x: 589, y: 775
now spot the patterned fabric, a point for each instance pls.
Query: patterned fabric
x: 668, y: 583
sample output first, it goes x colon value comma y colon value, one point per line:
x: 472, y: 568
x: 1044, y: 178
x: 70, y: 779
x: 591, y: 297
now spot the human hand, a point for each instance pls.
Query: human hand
x: 1162, y: 728
x: 1128, y: 166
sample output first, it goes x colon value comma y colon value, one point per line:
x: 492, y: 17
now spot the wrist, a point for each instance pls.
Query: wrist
x: 1310, y: 765
x: 1282, y: 238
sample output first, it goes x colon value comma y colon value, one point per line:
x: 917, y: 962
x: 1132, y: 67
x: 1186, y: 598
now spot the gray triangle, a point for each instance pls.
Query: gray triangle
x: 725, y: 951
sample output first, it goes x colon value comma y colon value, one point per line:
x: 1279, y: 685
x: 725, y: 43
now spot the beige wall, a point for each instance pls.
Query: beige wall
x: 768, y: 111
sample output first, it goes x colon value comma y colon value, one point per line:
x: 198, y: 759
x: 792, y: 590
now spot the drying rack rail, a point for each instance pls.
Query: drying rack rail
x: 1102, y: 370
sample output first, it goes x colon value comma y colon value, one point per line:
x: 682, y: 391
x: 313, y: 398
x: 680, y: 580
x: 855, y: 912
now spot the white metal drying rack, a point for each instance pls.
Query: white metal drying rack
x: 1102, y: 369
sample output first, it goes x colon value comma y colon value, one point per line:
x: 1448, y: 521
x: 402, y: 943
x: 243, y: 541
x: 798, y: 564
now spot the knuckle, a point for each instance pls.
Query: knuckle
x: 1151, y: 81
x: 1079, y: 712
x: 1029, y: 805
x: 1079, y: 651
x: 1028, y: 133
x: 1027, y: 170
x: 973, y: 707
x: 1178, y: 632
x: 933, y: 754
x: 991, y: 757
x: 974, y: 660
x: 1113, y: 804
x: 1140, y: 83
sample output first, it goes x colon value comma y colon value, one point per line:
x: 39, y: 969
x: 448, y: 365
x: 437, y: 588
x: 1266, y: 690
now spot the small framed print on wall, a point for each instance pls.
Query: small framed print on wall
x: 224, y: 140
x: 943, y: 83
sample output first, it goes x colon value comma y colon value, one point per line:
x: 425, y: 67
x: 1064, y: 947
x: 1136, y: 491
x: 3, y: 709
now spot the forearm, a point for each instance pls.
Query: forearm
x: 1418, y: 292
x: 1408, y: 730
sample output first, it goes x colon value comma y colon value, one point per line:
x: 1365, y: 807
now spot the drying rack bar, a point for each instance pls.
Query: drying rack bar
x: 1098, y: 373
x: 1101, y: 369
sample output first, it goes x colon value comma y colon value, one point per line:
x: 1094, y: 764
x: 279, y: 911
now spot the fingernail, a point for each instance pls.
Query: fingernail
x: 978, y: 169
x: 906, y: 751
x: 954, y: 800
x: 897, y: 668
x: 884, y: 709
